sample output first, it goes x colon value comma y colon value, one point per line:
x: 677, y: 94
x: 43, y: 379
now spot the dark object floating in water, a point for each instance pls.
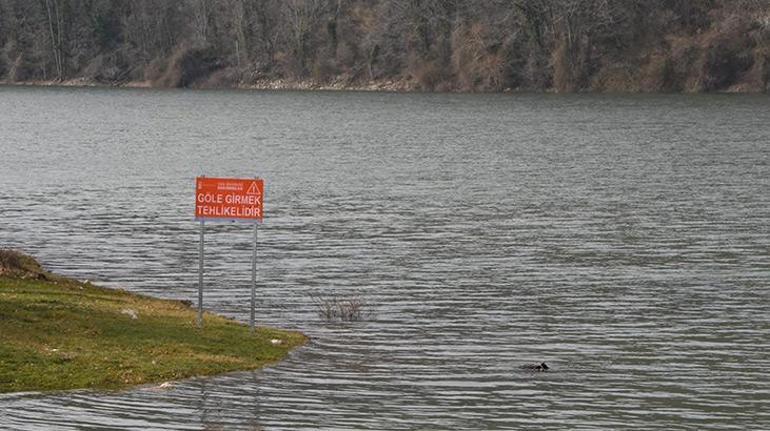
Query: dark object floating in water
x: 531, y: 367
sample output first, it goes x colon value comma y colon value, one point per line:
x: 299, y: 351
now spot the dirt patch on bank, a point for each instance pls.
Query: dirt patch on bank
x: 16, y: 264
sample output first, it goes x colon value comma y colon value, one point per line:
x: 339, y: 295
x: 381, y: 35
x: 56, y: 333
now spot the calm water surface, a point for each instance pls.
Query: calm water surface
x: 623, y: 240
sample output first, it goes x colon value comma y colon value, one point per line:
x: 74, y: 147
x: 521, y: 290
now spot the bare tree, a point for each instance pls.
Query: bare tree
x: 55, y: 27
x: 302, y: 18
x: 200, y: 18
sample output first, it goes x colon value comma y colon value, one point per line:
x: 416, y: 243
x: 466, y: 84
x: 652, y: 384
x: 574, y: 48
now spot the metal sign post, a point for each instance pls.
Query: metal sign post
x: 200, y: 280
x: 229, y: 200
x: 253, y: 280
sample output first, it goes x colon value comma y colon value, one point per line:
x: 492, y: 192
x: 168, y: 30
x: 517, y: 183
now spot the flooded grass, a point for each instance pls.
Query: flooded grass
x: 345, y: 309
x: 57, y: 333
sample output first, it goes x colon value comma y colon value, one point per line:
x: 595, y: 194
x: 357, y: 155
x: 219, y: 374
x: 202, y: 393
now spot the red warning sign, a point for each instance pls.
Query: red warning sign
x: 228, y: 199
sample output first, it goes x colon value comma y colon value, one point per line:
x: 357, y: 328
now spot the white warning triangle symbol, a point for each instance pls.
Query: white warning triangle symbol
x: 253, y: 189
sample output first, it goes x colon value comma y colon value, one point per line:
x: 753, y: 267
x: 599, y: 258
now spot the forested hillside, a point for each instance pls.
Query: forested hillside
x: 444, y: 45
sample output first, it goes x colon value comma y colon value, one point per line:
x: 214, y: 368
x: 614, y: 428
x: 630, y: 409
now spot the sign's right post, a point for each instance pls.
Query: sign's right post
x: 253, y: 281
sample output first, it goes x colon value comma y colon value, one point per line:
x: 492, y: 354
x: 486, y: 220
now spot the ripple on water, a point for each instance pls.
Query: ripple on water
x: 589, y: 232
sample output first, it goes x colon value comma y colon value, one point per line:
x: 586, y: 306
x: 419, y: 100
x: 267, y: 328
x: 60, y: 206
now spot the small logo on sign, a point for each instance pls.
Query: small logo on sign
x: 253, y: 190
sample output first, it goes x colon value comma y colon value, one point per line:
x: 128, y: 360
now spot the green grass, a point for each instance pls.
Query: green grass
x: 57, y: 333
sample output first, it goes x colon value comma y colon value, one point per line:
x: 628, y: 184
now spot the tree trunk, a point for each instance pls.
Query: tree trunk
x: 55, y: 25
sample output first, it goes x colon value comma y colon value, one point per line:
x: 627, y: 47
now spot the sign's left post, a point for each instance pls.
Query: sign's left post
x: 200, y: 279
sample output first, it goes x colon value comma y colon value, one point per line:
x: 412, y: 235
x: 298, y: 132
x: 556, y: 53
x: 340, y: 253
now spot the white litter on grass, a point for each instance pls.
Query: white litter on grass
x: 276, y: 341
x: 165, y: 386
x: 130, y: 312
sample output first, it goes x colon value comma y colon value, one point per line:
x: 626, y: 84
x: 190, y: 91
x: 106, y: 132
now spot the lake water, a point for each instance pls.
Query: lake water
x: 624, y: 240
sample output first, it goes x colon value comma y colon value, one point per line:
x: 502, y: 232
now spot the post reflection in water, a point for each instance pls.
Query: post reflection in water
x: 219, y: 410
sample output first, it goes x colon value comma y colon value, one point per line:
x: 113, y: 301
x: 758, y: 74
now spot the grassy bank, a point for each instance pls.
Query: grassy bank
x: 57, y: 333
